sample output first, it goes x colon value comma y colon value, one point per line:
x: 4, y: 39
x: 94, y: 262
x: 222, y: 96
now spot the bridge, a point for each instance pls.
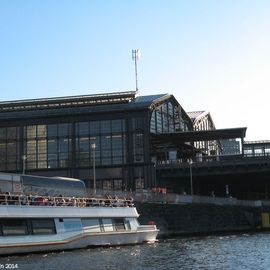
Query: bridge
x: 239, y: 176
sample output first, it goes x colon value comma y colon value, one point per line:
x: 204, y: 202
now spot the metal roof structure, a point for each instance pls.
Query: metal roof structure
x: 74, y: 105
x: 179, y: 138
x: 71, y: 101
x: 194, y: 115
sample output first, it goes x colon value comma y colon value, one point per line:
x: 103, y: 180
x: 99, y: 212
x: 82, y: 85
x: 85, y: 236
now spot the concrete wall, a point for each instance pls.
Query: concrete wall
x: 195, y: 218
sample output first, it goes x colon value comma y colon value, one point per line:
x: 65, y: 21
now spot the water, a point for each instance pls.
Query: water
x: 244, y: 251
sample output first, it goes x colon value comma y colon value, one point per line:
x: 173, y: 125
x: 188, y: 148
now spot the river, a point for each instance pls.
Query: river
x: 241, y: 251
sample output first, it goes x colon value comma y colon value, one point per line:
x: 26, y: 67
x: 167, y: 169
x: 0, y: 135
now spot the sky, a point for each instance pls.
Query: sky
x: 211, y: 55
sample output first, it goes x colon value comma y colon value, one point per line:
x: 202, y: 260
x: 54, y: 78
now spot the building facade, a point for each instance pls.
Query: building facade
x: 202, y: 120
x: 231, y: 147
x: 256, y: 148
x: 70, y: 136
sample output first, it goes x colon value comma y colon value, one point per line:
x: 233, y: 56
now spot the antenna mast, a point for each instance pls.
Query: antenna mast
x: 136, y: 54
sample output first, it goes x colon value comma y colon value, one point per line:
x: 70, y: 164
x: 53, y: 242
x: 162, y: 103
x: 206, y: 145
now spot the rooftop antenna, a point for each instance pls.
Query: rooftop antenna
x: 136, y: 54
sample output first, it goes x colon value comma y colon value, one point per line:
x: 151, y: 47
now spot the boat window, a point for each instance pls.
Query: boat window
x: 72, y: 224
x: 14, y: 227
x: 107, y: 225
x: 127, y: 224
x: 91, y: 224
x: 43, y: 226
x: 119, y: 224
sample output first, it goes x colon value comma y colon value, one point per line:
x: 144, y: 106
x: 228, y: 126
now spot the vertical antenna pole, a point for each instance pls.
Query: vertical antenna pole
x: 135, y: 57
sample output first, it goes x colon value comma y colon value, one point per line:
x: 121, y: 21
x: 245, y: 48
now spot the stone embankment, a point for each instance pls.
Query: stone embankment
x: 182, y: 214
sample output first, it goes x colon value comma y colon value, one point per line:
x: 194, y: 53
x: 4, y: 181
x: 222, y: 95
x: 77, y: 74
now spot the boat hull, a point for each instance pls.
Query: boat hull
x: 37, y: 228
x: 80, y: 241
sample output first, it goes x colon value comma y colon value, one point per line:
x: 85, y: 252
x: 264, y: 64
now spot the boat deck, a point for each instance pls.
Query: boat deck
x: 37, y: 200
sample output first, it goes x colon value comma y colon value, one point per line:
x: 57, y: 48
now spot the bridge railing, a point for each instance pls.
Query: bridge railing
x: 211, y: 159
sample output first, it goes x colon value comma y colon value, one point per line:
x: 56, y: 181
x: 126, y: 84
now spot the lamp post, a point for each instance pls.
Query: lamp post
x: 93, y: 146
x: 191, y: 180
x: 23, y: 163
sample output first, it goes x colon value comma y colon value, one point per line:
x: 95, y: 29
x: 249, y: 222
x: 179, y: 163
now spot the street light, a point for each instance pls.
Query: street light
x: 93, y: 146
x: 23, y: 163
x: 190, y: 173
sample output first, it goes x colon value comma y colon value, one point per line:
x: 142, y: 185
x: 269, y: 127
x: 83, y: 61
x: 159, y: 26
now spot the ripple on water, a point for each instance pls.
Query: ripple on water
x: 243, y: 251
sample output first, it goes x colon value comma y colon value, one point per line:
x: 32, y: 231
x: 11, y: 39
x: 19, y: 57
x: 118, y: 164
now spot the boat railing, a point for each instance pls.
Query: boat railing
x: 37, y: 200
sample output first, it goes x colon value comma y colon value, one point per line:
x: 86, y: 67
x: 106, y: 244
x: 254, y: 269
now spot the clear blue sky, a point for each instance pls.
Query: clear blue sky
x: 211, y: 55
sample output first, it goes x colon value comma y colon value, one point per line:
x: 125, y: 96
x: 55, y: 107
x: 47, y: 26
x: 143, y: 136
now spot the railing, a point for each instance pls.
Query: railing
x: 212, y: 159
x: 35, y: 200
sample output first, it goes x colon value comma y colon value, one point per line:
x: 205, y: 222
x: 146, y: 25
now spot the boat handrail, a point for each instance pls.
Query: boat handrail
x: 38, y: 200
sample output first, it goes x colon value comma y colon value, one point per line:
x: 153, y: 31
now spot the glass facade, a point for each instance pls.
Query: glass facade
x: 47, y: 146
x: 138, y: 139
x: 168, y: 118
x: 107, y: 138
x: 69, y: 144
x: 9, y: 148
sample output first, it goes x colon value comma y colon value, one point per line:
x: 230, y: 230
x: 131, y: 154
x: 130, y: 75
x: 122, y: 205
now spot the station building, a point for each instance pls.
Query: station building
x: 202, y: 120
x: 110, y: 137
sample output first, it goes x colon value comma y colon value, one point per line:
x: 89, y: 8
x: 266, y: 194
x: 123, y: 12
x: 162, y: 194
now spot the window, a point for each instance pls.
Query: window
x: 116, y: 126
x: 137, y: 123
x: 72, y: 224
x: 91, y: 225
x: 118, y: 184
x: 52, y: 131
x: 10, y: 158
x: 139, y: 182
x: 109, y: 139
x: 248, y: 151
x: 138, y: 147
x: 107, y: 184
x: 43, y: 226
x: 94, y: 127
x: 107, y: 224
x: 119, y: 224
x: 47, y: 146
x: 105, y: 127
x: 83, y: 128
x: 127, y: 225
x: 14, y: 227
x: 258, y: 151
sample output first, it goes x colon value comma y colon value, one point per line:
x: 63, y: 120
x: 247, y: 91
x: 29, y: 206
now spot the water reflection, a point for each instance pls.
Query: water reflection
x: 245, y: 251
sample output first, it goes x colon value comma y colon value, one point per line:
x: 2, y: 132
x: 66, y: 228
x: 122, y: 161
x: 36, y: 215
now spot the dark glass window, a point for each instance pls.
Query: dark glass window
x: 106, y: 150
x: 3, y: 134
x: 138, y: 147
x: 137, y: 123
x: 52, y: 131
x: 83, y: 129
x: 105, y: 126
x: 9, y: 148
x: 117, y: 184
x: 109, y: 140
x: 119, y: 224
x: 63, y: 130
x: 117, y: 126
x: 14, y: 227
x: 48, y: 146
x: 94, y: 127
x: 43, y: 226
x: 11, y: 133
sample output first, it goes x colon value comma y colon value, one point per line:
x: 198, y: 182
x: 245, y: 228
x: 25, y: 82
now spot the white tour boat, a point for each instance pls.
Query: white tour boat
x: 43, y: 223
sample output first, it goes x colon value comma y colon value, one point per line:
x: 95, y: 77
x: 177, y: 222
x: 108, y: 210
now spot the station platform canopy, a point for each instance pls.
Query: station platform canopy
x: 179, y: 138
